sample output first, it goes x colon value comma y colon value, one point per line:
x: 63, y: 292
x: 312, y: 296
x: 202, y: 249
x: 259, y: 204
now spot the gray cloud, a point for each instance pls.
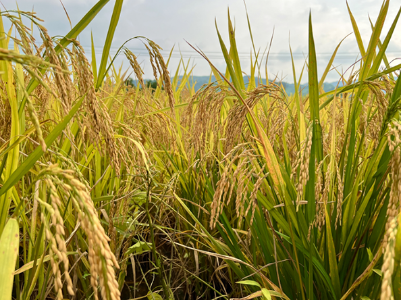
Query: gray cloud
x: 172, y: 22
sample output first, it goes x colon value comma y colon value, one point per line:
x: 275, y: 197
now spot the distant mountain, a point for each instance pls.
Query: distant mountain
x: 289, y: 87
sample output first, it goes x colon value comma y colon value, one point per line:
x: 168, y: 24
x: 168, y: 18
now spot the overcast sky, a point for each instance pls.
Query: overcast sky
x: 171, y: 22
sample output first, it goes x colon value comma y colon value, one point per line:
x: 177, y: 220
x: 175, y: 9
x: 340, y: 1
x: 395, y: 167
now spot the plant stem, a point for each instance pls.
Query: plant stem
x: 158, y: 262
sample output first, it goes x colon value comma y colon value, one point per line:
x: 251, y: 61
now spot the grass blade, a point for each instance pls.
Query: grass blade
x: 35, y: 155
x: 374, y: 40
x: 230, y: 68
x: 356, y: 32
x: 332, y: 257
x: 94, y: 66
x: 234, y: 54
x: 64, y: 42
x: 9, y: 244
x: 106, y: 49
x: 383, y: 47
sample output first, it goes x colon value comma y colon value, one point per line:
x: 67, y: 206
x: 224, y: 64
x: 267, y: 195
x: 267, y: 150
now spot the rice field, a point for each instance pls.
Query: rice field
x: 113, y: 189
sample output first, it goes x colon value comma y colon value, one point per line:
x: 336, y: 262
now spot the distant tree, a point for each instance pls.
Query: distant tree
x: 151, y: 84
x: 129, y: 81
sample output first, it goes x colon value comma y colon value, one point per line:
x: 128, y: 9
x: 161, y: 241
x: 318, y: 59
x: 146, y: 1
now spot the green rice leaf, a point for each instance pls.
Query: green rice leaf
x: 9, y: 249
x: 35, y: 155
x: 64, y: 42
x: 106, y: 49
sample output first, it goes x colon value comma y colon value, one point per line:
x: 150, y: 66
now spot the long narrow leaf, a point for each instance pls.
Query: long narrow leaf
x: 9, y: 245
x: 106, y: 49
x: 35, y: 155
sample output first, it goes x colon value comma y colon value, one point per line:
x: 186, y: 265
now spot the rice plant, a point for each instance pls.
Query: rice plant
x: 112, y: 189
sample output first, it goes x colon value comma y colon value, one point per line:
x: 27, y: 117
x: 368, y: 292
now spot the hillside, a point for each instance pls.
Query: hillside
x: 289, y: 87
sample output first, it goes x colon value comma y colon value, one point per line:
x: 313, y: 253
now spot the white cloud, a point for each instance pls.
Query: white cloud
x: 168, y: 23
